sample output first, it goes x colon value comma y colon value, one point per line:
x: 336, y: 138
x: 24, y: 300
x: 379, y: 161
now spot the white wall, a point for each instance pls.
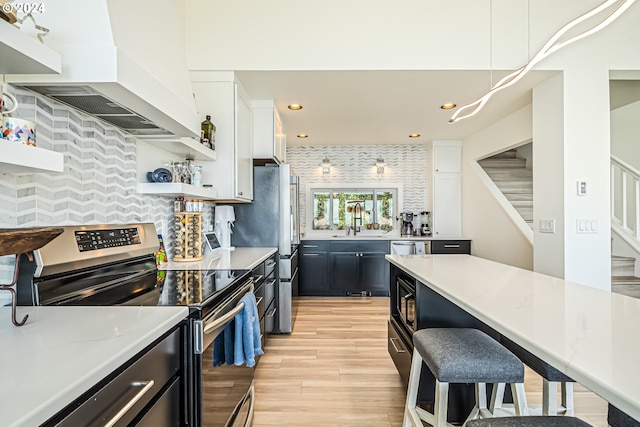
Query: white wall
x: 548, y: 194
x: 412, y: 34
x: 494, y: 236
x: 625, y: 134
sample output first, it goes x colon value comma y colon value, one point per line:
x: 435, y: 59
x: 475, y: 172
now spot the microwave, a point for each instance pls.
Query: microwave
x: 406, y: 303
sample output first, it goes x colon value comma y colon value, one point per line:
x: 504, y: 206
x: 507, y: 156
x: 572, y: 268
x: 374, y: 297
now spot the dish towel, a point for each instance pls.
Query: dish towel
x: 223, y: 346
x: 247, y: 344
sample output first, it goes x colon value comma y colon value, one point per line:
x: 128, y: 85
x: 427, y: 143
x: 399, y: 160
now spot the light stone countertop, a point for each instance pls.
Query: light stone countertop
x: 589, y: 334
x: 237, y: 259
x: 364, y: 236
x: 61, y: 352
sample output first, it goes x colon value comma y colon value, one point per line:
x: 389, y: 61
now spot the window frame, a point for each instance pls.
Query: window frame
x: 351, y: 187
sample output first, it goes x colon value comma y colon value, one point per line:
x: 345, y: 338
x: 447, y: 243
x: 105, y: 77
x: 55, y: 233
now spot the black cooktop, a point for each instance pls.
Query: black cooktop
x: 196, y: 288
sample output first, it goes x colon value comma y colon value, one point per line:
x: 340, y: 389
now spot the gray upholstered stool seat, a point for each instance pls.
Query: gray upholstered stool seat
x: 551, y: 377
x: 456, y: 355
x: 617, y: 418
x: 460, y: 355
x: 528, y: 422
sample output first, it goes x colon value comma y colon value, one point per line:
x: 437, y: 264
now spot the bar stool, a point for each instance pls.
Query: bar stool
x: 461, y: 355
x: 617, y: 418
x: 551, y: 377
x: 544, y: 421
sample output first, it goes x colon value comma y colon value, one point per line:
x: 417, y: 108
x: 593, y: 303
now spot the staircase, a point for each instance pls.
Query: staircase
x: 623, y: 280
x: 513, y: 179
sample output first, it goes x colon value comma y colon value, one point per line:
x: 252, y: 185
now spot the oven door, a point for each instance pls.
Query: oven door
x: 226, y: 391
x: 406, y: 303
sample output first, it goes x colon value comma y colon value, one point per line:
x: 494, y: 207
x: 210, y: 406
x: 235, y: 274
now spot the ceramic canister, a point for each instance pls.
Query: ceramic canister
x: 19, y: 130
x: 5, y: 110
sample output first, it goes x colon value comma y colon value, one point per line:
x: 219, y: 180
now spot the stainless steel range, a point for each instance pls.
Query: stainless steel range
x: 115, y: 265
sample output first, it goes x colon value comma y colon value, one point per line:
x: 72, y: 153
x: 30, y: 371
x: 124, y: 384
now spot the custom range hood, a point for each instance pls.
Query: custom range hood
x: 122, y: 61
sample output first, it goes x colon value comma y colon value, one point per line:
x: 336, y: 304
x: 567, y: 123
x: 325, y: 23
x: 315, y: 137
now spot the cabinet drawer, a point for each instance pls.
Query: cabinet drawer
x: 136, y: 385
x: 261, y: 306
x: 270, y: 265
x: 258, y: 274
x: 399, y: 352
x: 361, y: 246
x: 269, y: 291
x: 314, y: 246
x: 166, y: 411
x: 450, y: 246
x: 269, y: 319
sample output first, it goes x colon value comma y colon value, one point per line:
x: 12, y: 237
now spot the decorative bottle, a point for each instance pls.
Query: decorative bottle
x: 208, y: 133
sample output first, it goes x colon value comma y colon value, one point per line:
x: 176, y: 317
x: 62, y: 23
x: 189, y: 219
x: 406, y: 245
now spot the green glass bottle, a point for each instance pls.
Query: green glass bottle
x: 208, y: 133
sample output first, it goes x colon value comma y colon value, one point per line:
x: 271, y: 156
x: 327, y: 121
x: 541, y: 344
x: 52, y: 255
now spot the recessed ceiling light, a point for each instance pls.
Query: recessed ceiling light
x: 303, y: 135
x: 414, y: 135
x: 448, y: 106
x: 294, y: 107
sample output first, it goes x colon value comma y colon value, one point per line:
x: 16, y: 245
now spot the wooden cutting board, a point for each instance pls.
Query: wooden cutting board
x: 21, y: 240
x: 10, y: 17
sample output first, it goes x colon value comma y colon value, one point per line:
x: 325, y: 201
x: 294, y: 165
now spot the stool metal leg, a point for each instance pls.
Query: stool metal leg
x: 549, y: 397
x: 410, y: 415
x: 497, y: 395
x: 567, y: 398
x: 519, y: 399
x: 441, y: 404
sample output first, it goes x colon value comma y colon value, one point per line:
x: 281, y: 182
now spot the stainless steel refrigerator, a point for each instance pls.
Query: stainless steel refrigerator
x: 272, y: 219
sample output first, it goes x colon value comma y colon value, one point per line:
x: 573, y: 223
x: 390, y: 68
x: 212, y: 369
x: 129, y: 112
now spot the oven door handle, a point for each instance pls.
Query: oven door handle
x: 217, y: 323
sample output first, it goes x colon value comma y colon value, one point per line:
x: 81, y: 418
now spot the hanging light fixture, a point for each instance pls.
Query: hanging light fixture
x: 551, y: 46
x: 380, y: 164
x: 326, y: 165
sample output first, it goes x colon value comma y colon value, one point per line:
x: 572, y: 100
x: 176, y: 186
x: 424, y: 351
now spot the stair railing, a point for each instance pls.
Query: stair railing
x: 625, y: 200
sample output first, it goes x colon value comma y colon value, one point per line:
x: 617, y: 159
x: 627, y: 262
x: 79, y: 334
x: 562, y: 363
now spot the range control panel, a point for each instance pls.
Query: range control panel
x: 101, y: 239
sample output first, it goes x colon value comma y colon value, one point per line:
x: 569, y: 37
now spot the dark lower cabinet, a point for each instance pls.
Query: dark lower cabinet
x: 345, y: 272
x: 451, y: 246
x: 313, y: 268
x: 374, y: 273
x: 149, y: 390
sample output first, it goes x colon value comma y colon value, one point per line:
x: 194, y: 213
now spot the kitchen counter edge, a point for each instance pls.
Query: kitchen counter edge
x: 61, y: 352
x: 236, y: 259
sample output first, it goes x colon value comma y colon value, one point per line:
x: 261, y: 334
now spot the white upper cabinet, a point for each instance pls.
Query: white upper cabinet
x: 220, y: 95
x: 447, y: 189
x: 269, y: 137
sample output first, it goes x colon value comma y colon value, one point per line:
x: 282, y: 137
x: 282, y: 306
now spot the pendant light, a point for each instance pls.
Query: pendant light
x: 551, y: 46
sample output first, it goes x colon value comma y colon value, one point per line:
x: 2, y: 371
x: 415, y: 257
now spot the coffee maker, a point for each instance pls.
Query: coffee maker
x: 406, y: 229
x: 425, y: 223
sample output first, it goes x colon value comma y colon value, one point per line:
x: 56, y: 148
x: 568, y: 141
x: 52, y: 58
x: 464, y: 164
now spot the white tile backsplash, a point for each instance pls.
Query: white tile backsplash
x: 406, y: 164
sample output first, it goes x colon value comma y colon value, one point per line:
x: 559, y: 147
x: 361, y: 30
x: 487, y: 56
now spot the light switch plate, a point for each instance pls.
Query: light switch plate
x: 587, y: 226
x: 582, y: 188
x: 548, y: 226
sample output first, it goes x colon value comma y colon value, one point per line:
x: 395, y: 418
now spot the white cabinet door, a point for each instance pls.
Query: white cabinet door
x: 447, y: 205
x: 446, y: 158
x: 281, y: 140
x: 218, y: 94
x: 269, y: 138
x: 447, y: 190
x: 244, y: 149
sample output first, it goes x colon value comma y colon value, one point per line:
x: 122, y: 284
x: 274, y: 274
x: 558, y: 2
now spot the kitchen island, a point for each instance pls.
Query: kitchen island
x: 587, y: 333
x: 62, y: 352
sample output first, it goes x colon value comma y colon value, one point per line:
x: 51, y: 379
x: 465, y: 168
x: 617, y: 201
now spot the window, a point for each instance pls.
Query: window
x: 337, y: 209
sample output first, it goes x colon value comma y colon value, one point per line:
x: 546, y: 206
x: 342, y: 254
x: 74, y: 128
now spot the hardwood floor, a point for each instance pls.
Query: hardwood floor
x: 334, y: 370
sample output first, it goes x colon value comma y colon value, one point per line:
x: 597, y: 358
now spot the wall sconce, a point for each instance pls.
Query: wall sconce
x: 326, y: 166
x: 380, y: 164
